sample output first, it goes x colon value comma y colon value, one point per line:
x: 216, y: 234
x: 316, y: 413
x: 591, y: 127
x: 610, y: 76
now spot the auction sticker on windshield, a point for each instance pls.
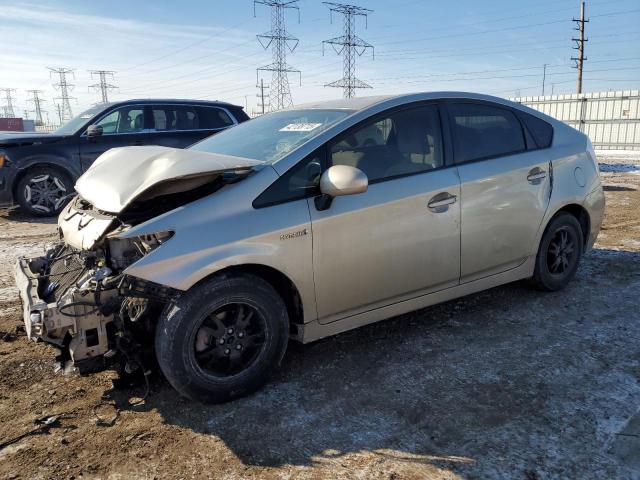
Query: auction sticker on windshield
x: 300, y: 127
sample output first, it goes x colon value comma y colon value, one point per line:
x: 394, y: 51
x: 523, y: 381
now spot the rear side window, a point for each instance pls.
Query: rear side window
x: 212, y: 118
x: 175, y: 117
x: 484, y: 131
x: 541, y: 131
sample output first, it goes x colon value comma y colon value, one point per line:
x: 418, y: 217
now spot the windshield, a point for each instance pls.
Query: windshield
x: 270, y: 137
x: 73, y: 125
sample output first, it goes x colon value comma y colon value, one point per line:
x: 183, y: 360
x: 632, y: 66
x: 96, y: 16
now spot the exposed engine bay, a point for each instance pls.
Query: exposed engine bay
x: 78, y: 296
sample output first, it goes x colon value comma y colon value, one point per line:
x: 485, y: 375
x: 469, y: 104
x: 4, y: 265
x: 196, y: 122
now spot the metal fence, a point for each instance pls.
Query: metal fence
x: 610, y: 119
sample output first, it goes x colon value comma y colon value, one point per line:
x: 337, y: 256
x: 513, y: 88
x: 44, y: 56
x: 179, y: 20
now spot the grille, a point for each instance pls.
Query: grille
x: 63, y: 272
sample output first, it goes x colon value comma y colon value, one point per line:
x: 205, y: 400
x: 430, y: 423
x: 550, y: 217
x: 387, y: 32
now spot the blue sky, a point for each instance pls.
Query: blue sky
x: 208, y: 49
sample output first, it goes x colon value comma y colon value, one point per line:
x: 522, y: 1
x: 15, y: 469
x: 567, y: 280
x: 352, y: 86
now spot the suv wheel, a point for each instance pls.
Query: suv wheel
x: 559, y: 253
x: 44, y: 191
x: 222, y: 339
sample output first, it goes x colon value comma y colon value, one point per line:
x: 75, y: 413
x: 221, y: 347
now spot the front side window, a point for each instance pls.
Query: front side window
x: 270, y: 137
x: 483, y: 131
x: 300, y: 181
x: 408, y: 141
x: 123, y: 120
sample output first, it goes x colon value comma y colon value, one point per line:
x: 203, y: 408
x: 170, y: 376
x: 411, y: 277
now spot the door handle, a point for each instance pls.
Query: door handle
x: 138, y: 142
x: 532, y: 177
x: 441, y: 200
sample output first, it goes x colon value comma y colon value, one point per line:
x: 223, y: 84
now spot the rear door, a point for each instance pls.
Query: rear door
x: 180, y: 126
x: 122, y: 127
x: 505, y: 187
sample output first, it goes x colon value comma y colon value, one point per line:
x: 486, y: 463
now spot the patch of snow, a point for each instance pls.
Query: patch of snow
x: 620, y: 168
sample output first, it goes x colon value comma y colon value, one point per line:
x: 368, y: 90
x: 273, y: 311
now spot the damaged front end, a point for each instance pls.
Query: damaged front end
x: 78, y: 295
x: 81, y: 302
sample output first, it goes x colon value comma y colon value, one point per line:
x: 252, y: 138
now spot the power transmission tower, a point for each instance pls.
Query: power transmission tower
x: 37, y: 105
x: 544, y: 76
x: 262, y: 105
x: 103, y: 87
x: 65, y: 87
x: 349, y: 46
x: 280, y: 41
x: 580, y: 41
x: 8, y: 106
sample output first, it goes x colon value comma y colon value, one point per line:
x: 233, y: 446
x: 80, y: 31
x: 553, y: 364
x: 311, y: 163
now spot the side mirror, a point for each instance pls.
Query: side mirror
x: 94, y: 131
x: 340, y: 180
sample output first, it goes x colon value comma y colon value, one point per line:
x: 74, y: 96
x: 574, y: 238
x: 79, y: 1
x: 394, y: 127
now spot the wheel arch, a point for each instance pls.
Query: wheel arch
x: 38, y: 165
x: 580, y: 213
x: 280, y: 282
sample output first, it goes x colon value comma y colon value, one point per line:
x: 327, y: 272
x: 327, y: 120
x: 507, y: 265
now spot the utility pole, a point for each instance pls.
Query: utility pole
x: 65, y: 87
x: 349, y: 45
x: 580, y: 41
x: 544, y: 76
x: 280, y: 41
x: 37, y: 107
x: 103, y: 87
x: 8, y: 106
x: 60, y: 112
x: 260, y: 95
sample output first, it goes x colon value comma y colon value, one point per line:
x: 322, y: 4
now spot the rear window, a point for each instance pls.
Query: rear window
x: 212, y: 118
x: 541, y: 131
x: 484, y: 131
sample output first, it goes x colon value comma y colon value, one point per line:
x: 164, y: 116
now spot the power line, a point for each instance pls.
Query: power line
x: 65, y: 87
x: 349, y: 45
x: 103, y: 87
x: 8, y: 106
x: 280, y: 41
x: 37, y: 105
x: 580, y: 41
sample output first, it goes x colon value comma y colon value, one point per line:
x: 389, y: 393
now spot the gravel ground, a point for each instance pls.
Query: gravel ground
x: 508, y: 383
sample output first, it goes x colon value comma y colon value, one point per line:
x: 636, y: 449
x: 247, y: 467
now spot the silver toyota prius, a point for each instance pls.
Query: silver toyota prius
x: 305, y: 223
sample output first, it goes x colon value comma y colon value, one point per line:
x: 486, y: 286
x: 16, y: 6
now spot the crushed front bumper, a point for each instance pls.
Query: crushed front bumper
x: 80, y: 332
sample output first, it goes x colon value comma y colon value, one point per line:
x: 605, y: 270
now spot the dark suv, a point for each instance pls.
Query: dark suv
x: 39, y: 170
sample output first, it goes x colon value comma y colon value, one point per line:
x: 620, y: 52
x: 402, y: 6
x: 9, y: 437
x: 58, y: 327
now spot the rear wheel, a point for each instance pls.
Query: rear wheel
x: 44, y: 191
x: 559, y: 253
x: 223, y: 338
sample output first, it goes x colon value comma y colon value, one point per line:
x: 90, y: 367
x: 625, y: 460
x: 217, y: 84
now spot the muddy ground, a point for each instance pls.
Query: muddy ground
x: 508, y: 383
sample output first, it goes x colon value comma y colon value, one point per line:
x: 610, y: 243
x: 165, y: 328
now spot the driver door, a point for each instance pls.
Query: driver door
x: 401, y: 238
x: 122, y: 127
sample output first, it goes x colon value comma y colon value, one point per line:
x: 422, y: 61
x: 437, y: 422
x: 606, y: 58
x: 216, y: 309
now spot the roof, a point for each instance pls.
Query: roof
x: 146, y: 101
x: 361, y: 103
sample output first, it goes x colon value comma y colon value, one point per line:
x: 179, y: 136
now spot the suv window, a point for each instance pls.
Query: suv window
x: 298, y: 182
x: 482, y: 131
x: 123, y: 120
x: 175, y: 117
x: 406, y: 142
x: 212, y: 118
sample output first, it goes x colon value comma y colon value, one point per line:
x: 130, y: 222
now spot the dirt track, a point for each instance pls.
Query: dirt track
x: 509, y: 383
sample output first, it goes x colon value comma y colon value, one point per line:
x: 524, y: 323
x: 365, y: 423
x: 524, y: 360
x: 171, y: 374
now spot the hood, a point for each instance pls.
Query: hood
x: 27, y: 138
x: 122, y: 175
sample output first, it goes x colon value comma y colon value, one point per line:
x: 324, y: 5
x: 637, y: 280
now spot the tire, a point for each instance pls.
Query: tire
x: 197, y: 340
x: 44, y: 191
x: 559, y: 253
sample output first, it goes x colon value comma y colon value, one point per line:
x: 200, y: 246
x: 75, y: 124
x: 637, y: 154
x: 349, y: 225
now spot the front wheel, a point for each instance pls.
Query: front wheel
x: 223, y: 338
x: 44, y: 191
x: 559, y: 253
